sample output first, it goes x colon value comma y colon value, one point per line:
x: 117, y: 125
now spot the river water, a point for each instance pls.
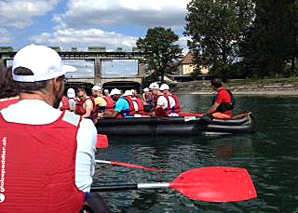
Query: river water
x: 270, y: 155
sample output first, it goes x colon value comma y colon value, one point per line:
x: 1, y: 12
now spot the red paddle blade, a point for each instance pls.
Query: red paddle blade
x: 216, y: 184
x: 129, y: 165
x: 102, y: 142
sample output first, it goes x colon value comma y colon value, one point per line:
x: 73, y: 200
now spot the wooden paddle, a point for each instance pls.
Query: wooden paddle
x: 212, y: 184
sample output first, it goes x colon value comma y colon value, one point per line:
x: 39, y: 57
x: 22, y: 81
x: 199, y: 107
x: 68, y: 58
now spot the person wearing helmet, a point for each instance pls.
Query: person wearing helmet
x: 173, y: 100
x: 71, y: 94
x: 137, y: 107
x: 160, y: 102
x: 122, y: 108
x: 110, y: 102
x: 146, y: 94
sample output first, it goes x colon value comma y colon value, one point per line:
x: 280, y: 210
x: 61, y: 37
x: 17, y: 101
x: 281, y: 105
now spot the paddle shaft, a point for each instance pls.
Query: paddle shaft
x: 129, y: 165
x: 124, y: 187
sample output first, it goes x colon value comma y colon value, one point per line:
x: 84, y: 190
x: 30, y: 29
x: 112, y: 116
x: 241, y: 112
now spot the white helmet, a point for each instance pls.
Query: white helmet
x: 71, y: 93
x: 154, y: 86
x: 96, y: 88
x: 164, y: 87
x: 115, y: 92
x: 128, y: 93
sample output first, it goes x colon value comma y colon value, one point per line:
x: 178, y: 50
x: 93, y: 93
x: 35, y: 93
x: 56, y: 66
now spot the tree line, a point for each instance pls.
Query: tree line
x: 233, y: 38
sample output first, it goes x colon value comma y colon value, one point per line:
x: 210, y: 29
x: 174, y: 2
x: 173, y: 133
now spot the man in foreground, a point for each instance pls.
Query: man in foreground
x: 47, y: 155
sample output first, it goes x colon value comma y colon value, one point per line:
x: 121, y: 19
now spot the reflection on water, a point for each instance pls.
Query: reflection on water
x: 270, y: 155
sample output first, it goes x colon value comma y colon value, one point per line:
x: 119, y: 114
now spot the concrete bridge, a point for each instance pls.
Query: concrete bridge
x: 97, y: 55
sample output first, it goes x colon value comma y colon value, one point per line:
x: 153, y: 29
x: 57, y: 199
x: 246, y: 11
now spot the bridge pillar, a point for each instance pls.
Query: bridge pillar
x: 97, y: 71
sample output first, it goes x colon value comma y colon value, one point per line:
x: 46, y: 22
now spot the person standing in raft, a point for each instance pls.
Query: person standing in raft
x: 222, y: 103
x: 47, y: 155
x: 85, y: 105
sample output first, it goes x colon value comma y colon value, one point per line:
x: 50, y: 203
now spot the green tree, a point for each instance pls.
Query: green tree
x: 216, y: 29
x: 272, y: 40
x: 161, y: 50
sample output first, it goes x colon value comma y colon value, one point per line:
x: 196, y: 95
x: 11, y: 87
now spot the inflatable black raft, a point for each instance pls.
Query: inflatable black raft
x: 180, y: 125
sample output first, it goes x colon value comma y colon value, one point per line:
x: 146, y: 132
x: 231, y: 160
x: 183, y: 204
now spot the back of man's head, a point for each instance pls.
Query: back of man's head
x: 216, y: 82
x: 35, y: 65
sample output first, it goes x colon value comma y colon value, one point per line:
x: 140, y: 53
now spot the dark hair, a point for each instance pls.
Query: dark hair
x: 7, y: 84
x: 216, y: 82
x: 28, y: 87
x: 81, y: 89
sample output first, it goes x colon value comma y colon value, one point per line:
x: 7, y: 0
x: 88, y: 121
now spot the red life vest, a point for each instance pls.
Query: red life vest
x: 110, y: 102
x: 6, y: 102
x: 65, y: 104
x: 80, y: 109
x: 132, y: 109
x: 131, y: 106
x: 39, y: 166
x: 177, y: 103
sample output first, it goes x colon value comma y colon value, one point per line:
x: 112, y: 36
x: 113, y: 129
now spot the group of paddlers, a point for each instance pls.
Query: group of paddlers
x: 155, y: 101
x: 47, y: 154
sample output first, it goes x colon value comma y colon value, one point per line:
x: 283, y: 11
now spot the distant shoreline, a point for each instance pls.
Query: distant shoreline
x: 246, y: 93
x: 269, y: 87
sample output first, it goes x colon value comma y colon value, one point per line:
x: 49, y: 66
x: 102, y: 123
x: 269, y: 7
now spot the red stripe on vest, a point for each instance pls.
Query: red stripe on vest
x: 40, y: 167
x: 7, y: 103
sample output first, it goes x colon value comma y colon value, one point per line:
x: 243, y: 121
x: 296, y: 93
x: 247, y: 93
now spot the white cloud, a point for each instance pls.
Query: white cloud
x: 5, y: 36
x: 19, y: 13
x: 144, y: 13
x: 183, y: 44
x: 83, y: 38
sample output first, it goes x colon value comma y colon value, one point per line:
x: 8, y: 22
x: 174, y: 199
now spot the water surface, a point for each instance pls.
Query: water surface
x: 270, y: 155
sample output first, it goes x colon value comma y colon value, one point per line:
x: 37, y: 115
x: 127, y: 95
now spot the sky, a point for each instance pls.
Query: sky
x: 83, y: 23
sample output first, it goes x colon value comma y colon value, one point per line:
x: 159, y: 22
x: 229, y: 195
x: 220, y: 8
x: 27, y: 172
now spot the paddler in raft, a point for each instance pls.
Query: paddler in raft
x: 222, y: 103
x: 126, y: 106
x: 47, y: 155
x: 99, y: 101
x: 86, y: 105
x: 172, y: 99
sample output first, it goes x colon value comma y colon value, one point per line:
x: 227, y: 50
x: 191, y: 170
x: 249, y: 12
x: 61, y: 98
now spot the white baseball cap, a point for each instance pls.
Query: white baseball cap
x: 115, y: 92
x: 128, y: 93
x: 164, y: 87
x: 153, y: 86
x: 44, y: 62
x: 71, y: 93
x: 96, y: 88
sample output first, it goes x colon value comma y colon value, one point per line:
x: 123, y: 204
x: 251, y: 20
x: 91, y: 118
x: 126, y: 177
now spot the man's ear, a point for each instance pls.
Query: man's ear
x: 56, y: 83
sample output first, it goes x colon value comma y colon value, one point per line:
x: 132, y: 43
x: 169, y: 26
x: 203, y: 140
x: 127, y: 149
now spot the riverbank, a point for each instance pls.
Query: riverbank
x: 271, y: 87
